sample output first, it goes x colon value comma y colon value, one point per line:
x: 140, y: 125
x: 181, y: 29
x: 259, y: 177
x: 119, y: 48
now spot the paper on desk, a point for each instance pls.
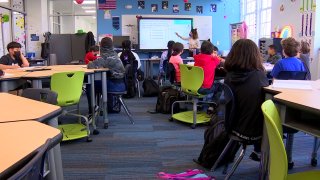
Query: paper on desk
x: 28, y: 68
x: 292, y: 84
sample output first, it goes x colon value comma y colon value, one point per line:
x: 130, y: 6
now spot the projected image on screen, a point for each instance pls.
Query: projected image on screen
x: 155, y: 33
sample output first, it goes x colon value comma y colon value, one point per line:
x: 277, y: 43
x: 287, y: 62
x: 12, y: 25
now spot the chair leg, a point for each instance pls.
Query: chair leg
x: 225, y: 150
x: 289, y: 146
x: 316, y: 145
x: 236, y: 164
x: 195, y: 102
x: 78, y: 111
x: 126, y: 109
x: 138, y: 88
x: 87, y: 124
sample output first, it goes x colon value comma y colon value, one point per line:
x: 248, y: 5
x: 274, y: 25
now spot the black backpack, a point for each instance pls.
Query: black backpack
x: 216, y: 136
x: 150, y: 88
x: 166, y: 98
x: 130, y: 81
x: 114, y: 105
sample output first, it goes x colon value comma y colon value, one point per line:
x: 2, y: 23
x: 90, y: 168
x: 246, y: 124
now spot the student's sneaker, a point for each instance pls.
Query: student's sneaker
x: 255, y: 156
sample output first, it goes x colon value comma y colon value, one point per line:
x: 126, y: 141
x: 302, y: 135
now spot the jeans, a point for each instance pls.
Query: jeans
x: 112, y: 86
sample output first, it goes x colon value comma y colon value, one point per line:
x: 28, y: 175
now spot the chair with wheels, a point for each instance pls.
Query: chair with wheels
x: 278, y: 157
x: 68, y: 86
x: 34, y: 166
x: 191, y: 80
x: 235, y: 139
x: 291, y: 75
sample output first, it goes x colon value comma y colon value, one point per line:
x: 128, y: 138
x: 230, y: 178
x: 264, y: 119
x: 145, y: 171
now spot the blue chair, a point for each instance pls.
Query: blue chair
x: 292, y: 75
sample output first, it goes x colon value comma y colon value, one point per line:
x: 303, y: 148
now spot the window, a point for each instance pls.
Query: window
x: 257, y: 15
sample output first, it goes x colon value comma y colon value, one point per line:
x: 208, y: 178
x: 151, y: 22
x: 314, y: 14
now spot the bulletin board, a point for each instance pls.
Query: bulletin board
x: 202, y: 23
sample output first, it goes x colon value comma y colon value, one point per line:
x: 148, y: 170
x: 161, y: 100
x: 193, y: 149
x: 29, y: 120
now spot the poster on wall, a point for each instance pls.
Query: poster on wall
x: 19, y: 34
x: 116, y: 22
x: 141, y: 5
x: 165, y: 5
x: 154, y: 7
x: 187, y: 6
x: 17, y: 5
x: 107, y: 4
x: 199, y: 9
x: 175, y: 8
x: 213, y: 8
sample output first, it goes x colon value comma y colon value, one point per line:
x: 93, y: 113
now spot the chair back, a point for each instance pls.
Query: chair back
x: 278, y: 157
x: 170, y: 73
x: 228, y: 101
x: 43, y: 95
x: 68, y: 86
x: 191, y: 79
x: 34, y: 166
x: 292, y: 75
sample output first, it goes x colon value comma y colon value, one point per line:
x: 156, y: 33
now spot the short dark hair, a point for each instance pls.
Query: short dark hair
x: 290, y: 46
x: 305, y: 47
x: 273, y: 47
x: 207, y: 47
x: 126, y: 45
x: 215, y: 48
x: 170, y: 44
x: 244, y: 56
x: 13, y: 44
x: 106, y: 42
x: 94, y: 48
x: 177, y: 48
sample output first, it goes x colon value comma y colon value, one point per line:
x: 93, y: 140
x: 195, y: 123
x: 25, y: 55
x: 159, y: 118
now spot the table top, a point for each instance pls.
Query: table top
x: 16, y: 108
x: 315, y: 85
x: 20, y: 139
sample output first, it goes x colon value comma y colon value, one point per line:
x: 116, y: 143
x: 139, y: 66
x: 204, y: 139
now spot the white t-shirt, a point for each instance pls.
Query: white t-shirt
x: 193, y: 43
x: 135, y: 55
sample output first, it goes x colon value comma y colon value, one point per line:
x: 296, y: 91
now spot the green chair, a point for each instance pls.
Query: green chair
x: 68, y: 86
x: 191, y: 80
x: 278, y: 157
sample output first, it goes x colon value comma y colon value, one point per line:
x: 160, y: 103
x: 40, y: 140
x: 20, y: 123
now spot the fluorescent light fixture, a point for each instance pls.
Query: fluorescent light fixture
x: 90, y: 11
x: 94, y: 17
x: 88, y: 7
x: 85, y: 2
x: 4, y: 1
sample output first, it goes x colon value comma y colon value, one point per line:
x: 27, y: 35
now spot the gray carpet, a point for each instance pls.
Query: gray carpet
x: 152, y: 145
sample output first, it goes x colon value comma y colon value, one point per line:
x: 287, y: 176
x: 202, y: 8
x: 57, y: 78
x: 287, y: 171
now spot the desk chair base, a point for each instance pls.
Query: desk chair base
x: 187, y: 117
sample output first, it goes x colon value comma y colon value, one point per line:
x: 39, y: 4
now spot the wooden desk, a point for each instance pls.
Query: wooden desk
x: 16, y: 108
x: 12, y: 79
x: 20, y: 139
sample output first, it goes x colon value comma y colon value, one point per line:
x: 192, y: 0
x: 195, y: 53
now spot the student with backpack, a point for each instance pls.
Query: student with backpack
x: 127, y: 53
x: 176, y: 59
x: 246, y: 77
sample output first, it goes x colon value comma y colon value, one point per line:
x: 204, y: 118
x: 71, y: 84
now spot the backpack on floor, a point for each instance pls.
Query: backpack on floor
x: 167, y: 96
x: 216, y: 139
x: 150, y: 88
x: 114, y: 105
x: 130, y: 81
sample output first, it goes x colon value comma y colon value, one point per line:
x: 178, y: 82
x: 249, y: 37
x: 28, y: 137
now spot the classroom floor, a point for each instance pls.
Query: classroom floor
x: 152, y: 145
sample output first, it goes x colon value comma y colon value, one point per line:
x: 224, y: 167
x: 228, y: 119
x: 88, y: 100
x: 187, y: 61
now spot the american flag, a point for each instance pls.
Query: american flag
x: 107, y: 4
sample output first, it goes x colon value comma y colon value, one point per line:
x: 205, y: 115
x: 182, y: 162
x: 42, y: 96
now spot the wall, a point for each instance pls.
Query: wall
x: 67, y: 25
x: 228, y: 11
x: 36, y: 23
x: 293, y: 17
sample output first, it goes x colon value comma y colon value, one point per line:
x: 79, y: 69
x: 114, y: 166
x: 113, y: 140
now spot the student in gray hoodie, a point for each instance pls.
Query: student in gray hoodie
x: 109, y: 59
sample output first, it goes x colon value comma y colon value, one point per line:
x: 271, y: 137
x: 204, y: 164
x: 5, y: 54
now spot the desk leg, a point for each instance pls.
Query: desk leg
x: 91, y: 79
x: 105, y: 99
x: 4, y: 86
x: 55, y: 162
x: 37, y: 83
x: 316, y: 145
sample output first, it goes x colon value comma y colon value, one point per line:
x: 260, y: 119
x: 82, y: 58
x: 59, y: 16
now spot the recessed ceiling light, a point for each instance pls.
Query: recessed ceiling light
x: 86, y: 2
x: 88, y: 7
x: 90, y: 11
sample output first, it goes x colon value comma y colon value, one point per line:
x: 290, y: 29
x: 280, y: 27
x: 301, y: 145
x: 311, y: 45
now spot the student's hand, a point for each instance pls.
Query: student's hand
x: 15, y: 66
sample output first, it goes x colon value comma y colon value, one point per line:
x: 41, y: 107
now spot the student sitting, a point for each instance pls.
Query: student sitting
x: 246, y: 77
x: 92, y: 54
x: 109, y: 59
x: 304, y: 56
x: 274, y: 57
x: 165, y: 56
x: 176, y: 59
x: 14, y: 59
x: 126, y: 47
x: 290, y: 48
x: 208, y: 61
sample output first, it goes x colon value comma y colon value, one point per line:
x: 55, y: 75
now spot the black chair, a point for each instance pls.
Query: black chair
x: 228, y: 101
x: 43, y: 95
x: 34, y: 166
x: 292, y: 75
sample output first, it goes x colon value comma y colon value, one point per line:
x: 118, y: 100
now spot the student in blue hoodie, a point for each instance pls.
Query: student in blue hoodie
x: 291, y: 48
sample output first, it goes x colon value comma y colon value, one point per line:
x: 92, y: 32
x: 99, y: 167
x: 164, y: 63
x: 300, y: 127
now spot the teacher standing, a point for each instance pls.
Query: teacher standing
x: 194, y: 43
